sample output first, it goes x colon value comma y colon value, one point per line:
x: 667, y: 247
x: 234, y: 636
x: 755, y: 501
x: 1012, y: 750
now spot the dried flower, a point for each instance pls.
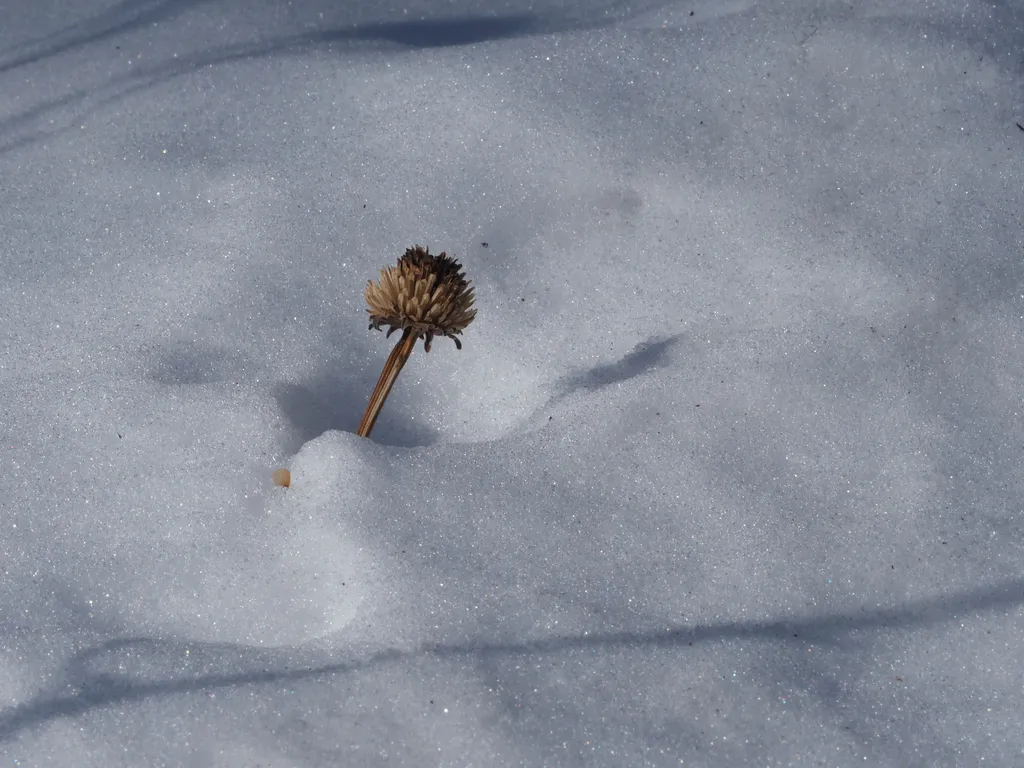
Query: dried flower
x: 424, y: 295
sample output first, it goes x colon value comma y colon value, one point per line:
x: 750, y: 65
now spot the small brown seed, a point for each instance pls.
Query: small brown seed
x: 282, y: 477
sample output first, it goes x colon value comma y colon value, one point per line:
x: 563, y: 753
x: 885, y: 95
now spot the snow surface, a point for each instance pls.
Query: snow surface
x: 728, y: 472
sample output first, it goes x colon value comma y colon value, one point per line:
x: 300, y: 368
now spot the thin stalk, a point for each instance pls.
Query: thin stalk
x: 396, y: 360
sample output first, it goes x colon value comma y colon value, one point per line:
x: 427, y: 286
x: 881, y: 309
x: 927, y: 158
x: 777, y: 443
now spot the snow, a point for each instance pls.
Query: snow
x: 727, y: 473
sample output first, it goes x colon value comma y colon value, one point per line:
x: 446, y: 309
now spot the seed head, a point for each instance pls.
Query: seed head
x: 426, y: 293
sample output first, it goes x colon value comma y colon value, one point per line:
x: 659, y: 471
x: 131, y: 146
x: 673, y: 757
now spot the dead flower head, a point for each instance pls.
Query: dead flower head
x: 424, y: 293
x: 423, y: 296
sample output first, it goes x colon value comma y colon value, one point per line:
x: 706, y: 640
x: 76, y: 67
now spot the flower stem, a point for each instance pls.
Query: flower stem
x: 396, y: 360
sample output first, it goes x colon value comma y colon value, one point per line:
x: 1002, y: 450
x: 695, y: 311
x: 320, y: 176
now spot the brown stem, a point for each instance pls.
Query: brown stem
x: 387, y: 378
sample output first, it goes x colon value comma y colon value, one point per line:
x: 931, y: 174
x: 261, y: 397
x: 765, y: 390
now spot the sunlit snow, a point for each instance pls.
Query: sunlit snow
x: 729, y: 471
